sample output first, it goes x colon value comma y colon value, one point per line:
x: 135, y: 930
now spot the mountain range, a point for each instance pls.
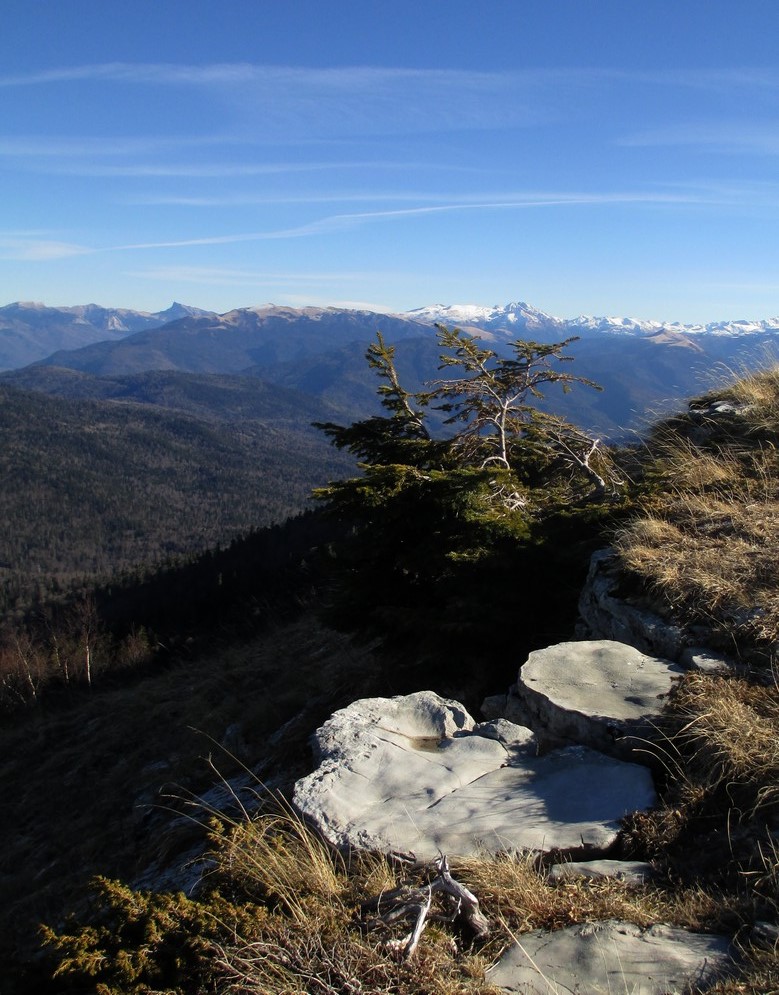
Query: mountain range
x: 30, y: 331
x: 521, y: 317
x: 138, y: 436
x: 645, y: 367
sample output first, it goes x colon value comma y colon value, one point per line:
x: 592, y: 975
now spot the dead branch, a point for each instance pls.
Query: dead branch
x: 467, y: 902
x: 407, y: 902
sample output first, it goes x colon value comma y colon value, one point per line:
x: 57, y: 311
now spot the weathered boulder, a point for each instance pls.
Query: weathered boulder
x: 414, y: 775
x: 603, y: 958
x: 603, y: 694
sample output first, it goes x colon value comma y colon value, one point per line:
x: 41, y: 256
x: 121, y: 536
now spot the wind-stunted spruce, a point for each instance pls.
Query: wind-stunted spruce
x: 432, y: 509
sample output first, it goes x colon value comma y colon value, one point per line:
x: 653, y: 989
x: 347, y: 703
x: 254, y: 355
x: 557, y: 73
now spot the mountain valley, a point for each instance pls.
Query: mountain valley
x: 157, y: 435
x: 139, y: 659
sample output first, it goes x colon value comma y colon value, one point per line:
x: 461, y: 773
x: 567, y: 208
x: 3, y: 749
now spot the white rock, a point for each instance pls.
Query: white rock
x: 410, y: 775
x: 606, y: 958
x: 705, y: 661
x: 606, y: 615
x: 633, y: 872
x: 601, y: 693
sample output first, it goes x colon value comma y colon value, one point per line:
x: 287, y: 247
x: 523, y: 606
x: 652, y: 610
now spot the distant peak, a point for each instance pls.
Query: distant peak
x: 179, y: 310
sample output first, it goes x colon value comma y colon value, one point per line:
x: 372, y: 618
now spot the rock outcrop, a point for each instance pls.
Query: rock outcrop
x: 605, y: 614
x: 415, y: 775
x: 633, y: 872
x: 606, y: 957
x: 600, y: 693
x: 606, y: 611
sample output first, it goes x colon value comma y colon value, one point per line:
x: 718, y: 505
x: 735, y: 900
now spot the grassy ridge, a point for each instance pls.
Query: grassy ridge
x: 704, y: 541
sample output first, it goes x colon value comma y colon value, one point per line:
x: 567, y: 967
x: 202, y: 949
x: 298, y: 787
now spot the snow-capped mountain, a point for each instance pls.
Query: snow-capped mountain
x: 515, y: 318
x: 634, y: 326
x: 643, y: 366
x: 520, y: 317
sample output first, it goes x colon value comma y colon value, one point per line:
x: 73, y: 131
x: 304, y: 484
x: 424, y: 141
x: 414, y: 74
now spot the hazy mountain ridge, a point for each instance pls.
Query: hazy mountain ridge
x: 236, y: 341
x: 30, y: 331
x: 320, y: 352
x: 645, y: 368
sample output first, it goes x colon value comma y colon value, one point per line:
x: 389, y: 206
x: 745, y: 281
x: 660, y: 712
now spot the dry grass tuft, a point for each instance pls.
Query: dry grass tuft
x: 730, y: 740
x: 276, y: 860
x: 705, y: 540
x: 721, y: 806
x: 758, y: 392
x: 315, y: 941
x: 521, y: 897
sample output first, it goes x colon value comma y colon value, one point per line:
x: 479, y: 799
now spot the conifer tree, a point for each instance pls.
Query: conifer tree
x: 427, y: 512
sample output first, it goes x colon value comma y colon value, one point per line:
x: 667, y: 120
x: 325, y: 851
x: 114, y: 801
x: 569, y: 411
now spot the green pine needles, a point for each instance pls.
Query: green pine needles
x: 430, y: 512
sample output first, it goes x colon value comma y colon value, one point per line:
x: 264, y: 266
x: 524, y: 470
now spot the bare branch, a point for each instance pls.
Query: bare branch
x: 407, y: 902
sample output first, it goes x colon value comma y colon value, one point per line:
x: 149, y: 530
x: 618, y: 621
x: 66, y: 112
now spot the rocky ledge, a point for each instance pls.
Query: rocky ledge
x: 608, y: 957
x: 416, y: 775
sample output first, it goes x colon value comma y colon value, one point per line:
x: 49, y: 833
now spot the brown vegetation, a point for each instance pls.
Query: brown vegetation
x: 705, y: 541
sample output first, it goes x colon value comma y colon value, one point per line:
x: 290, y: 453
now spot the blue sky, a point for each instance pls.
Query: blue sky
x: 603, y: 158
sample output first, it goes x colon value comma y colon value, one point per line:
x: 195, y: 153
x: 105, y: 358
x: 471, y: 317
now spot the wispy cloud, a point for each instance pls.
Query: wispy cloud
x: 32, y: 248
x: 721, y: 136
x: 365, y: 77
x: 270, y: 101
x: 240, y: 73
x: 39, y: 247
x: 106, y: 146
x: 136, y: 72
x: 217, y: 170
x: 739, y: 193
x: 225, y: 276
x: 343, y: 77
x: 48, y: 155
x: 340, y: 222
x: 434, y: 201
x: 294, y: 287
x: 249, y: 199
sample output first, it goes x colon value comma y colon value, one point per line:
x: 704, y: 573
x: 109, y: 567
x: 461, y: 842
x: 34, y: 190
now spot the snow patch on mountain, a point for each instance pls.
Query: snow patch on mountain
x: 519, y: 315
x: 509, y: 317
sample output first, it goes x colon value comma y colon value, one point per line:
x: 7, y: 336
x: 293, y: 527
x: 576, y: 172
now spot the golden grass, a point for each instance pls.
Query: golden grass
x: 759, y: 393
x: 316, y: 941
x: 289, y: 919
x: 705, y: 544
x: 704, y: 541
x: 729, y: 738
x: 288, y: 915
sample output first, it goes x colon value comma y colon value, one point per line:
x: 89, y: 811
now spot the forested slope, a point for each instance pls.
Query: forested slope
x: 92, y: 488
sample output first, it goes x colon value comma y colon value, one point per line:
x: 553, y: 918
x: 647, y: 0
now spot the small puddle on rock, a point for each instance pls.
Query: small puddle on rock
x: 426, y: 744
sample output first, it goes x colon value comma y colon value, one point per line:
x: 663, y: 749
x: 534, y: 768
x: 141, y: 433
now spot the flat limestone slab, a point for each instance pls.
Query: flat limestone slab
x: 604, y: 694
x: 607, y: 958
x: 391, y: 778
x: 631, y: 872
